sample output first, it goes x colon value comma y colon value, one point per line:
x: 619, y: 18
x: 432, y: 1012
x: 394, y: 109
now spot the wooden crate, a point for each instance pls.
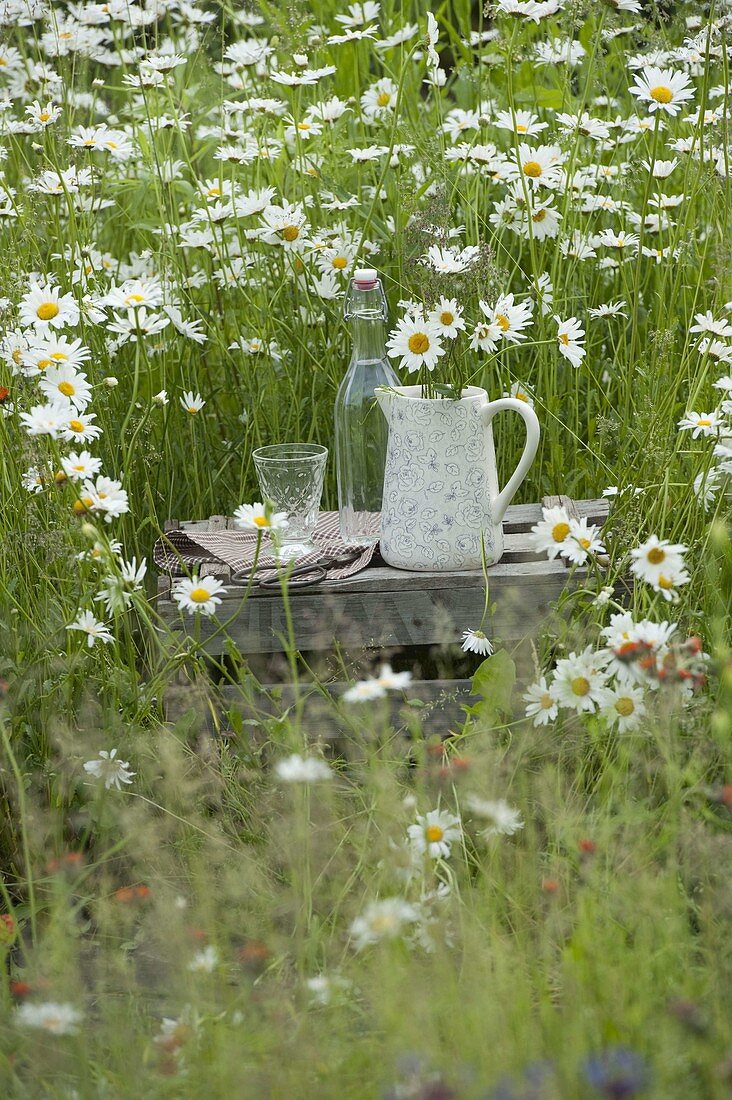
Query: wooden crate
x: 382, y: 607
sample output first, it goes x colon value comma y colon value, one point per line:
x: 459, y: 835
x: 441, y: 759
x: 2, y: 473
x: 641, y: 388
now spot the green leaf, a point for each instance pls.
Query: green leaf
x: 493, y: 681
x: 553, y: 98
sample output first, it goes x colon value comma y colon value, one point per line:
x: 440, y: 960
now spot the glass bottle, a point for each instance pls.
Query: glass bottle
x: 361, y: 428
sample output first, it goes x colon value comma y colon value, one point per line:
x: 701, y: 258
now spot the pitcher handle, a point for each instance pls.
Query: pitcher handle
x: 487, y: 412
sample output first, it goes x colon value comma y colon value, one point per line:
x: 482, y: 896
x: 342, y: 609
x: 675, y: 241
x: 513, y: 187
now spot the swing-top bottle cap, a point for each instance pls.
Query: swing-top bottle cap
x: 365, y: 278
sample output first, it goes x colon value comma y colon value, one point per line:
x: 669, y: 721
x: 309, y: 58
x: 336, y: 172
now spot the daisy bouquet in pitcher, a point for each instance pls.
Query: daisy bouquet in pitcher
x: 447, y: 350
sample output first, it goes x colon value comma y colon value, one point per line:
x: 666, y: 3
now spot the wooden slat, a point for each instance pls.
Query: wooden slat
x: 441, y: 709
x: 403, y: 617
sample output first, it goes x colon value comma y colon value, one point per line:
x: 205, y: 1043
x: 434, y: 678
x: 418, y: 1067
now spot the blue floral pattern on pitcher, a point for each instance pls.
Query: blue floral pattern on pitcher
x: 437, y: 496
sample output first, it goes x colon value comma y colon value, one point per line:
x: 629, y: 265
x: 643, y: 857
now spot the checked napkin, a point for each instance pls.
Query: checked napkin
x: 181, y: 552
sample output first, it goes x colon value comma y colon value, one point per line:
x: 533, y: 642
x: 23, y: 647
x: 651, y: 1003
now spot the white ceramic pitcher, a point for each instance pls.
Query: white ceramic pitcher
x: 440, y: 484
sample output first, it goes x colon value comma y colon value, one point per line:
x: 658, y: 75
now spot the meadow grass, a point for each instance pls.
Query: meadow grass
x: 253, y: 913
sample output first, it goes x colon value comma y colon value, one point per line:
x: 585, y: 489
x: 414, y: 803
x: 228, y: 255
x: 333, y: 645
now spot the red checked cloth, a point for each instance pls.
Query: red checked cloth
x: 181, y: 552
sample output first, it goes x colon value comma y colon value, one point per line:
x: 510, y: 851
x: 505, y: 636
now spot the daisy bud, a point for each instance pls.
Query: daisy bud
x: 60, y: 477
x: 97, y: 83
x: 36, y: 147
x: 89, y: 531
x: 111, y: 382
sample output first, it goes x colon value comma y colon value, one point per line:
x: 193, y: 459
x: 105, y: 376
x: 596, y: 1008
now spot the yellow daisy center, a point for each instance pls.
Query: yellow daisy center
x: 303, y: 125
x: 44, y: 116
x: 419, y: 342
x: 446, y: 318
x: 580, y: 685
x: 560, y: 531
x: 192, y: 409
x: 503, y: 322
x: 703, y: 422
x: 584, y: 543
x: 656, y: 555
x: 538, y: 216
x: 339, y: 262
x: 665, y: 582
x: 200, y: 595
x: 291, y: 232
x: 532, y: 168
x: 77, y: 425
x: 66, y: 388
x: 213, y: 192
x: 384, y: 99
x: 624, y: 706
x: 434, y: 834
x: 521, y: 396
x: 47, y: 311
x: 58, y: 356
x: 135, y: 298
x: 564, y: 339
x: 662, y: 93
x: 520, y: 128
x: 16, y: 356
x: 260, y: 521
x: 111, y: 144
x: 546, y: 702
x: 43, y: 363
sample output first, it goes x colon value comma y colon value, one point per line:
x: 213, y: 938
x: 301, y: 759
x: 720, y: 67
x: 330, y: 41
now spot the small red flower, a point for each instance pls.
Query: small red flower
x: 20, y: 989
x: 550, y: 885
x: 587, y: 847
x: 127, y: 894
x: 8, y: 929
x: 4, y: 394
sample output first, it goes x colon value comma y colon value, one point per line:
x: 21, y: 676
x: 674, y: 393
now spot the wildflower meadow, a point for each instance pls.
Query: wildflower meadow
x: 206, y: 891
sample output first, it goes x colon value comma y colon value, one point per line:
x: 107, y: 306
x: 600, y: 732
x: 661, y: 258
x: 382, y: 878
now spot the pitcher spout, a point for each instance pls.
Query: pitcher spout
x: 385, y: 397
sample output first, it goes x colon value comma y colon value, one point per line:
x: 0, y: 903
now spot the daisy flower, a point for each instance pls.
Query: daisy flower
x: 417, y: 341
x: 104, y: 495
x: 623, y: 706
x: 382, y: 920
x: 541, y: 706
x: 364, y: 692
x: 95, y: 630
x: 379, y: 100
x: 192, y: 403
x: 44, y: 306
x: 114, y: 772
x: 550, y: 535
x: 656, y: 557
x: 447, y: 317
x: 475, y: 641
x: 434, y: 833
x: 519, y: 122
x: 393, y: 681
x: 609, y: 309
x: 50, y: 350
x: 511, y: 318
x: 520, y: 392
x: 578, y: 681
x: 65, y: 385
x: 58, y: 1019
x: 662, y: 89
x: 708, y: 423
x: 258, y: 517
x: 449, y: 260
x: 79, y: 427
x: 583, y: 540
x: 299, y: 769
x: 569, y: 335
x: 541, y: 165
x: 45, y: 420
x: 198, y: 594
x: 504, y: 819
x: 705, y: 322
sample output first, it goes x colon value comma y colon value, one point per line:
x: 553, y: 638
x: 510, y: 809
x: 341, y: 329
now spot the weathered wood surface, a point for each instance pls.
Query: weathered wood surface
x: 436, y: 704
x: 383, y: 607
